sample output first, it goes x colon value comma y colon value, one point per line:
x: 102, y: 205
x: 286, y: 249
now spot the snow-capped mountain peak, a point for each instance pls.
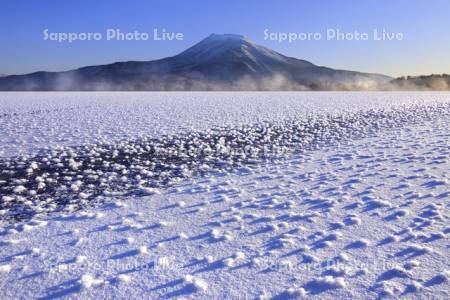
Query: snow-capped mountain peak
x: 226, y: 36
x: 235, y: 53
x: 217, y: 44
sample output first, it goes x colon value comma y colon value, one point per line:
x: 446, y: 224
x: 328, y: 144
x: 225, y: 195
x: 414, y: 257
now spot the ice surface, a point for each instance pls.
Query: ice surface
x: 32, y: 121
x: 364, y: 216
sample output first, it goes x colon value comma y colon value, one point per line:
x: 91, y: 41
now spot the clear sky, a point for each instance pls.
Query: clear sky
x: 425, y: 26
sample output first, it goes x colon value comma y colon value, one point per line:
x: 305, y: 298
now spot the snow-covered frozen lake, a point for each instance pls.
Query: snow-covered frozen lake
x: 31, y: 121
x: 225, y: 195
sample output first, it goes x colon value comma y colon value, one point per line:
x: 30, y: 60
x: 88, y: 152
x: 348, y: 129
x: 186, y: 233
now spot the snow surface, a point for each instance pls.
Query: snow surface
x: 356, y: 215
x: 31, y: 122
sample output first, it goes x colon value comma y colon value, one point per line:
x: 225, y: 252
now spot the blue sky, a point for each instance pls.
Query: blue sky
x: 425, y: 25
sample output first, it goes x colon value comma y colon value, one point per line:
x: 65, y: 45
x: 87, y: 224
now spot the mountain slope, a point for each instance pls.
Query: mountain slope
x: 219, y: 62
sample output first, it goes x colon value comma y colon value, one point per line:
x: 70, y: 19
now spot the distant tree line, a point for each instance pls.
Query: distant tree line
x: 424, y: 82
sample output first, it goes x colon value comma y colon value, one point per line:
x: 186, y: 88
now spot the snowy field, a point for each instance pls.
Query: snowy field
x: 31, y: 122
x: 224, y: 195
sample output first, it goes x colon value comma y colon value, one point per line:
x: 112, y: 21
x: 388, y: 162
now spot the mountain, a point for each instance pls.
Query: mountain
x: 219, y: 62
